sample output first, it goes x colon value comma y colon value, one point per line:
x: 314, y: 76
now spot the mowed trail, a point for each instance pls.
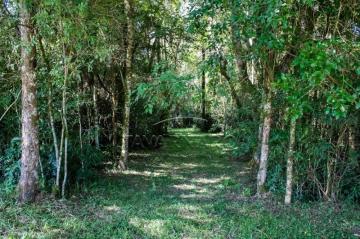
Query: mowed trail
x: 189, y: 188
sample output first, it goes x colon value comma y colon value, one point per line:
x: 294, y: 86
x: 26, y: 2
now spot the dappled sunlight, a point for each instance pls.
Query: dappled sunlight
x: 144, y: 173
x: 196, y: 196
x: 245, y: 170
x: 153, y: 227
x: 193, y: 191
x: 176, y: 155
x: 179, y: 166
x: 191, y: 165
x: 140, y: 155
x: 210, y: 180
x: 112, y: 208
x: 185, y: 187
x: 215, y: 145
x: 200, y: 135
x: 220, y: 165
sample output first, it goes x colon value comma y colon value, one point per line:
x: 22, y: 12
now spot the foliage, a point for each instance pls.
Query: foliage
x: 10, y: 165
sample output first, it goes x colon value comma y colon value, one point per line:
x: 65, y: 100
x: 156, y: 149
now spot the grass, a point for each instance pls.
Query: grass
x: 187, y: 189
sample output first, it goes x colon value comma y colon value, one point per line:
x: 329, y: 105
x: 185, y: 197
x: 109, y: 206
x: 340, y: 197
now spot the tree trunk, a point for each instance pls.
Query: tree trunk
x: 261, y: 177
x: 257, y: 152
x: 127, y: 85
x: 223, y: 72
x: 58, y: 166
x: 80, y: 130
x: 290, y: 162
x: 96, y: 117
x: 125, y: 132
x: 51, y: 117
x: 203, y: 89
x: 65, y: 125
x: 55, y: 140
x: 28, y: 183
x: 114, y: 106
x: 225, y: 117
x: 269, y: 76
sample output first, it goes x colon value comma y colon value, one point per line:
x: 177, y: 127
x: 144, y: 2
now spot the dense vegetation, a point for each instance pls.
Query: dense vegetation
x: 84, y: 82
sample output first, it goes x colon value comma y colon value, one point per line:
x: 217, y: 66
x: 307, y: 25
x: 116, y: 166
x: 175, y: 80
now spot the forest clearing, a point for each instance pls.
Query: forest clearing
x: 180, y: 119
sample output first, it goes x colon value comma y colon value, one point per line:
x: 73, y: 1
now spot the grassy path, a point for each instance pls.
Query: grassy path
x: 187, y: 189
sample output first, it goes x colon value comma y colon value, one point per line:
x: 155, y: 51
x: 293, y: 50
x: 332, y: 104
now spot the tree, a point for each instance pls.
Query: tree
x: 127, y: 81
x: 28, y: 183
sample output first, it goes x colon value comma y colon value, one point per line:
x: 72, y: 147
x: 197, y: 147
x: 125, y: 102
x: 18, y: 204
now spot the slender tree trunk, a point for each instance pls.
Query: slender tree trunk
x: 58, y: 166
x: 262, y: 173
x: 55, y: 140
x: 96, y: 117
x: 257, y: 152
x: 51, y: 117
x: 203, y: 89
x: 28, y: 183
x: 127, y: 85
x: 114, y: 104
x: 65, y: 125
x: 125, y: 133
x: 80, y: 131
x: 290, y: 162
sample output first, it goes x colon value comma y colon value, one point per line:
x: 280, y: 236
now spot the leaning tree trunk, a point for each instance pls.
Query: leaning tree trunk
x: 262, y: 173
x: 290, y: 162
x: 30, y: 142
x: 127, y: 86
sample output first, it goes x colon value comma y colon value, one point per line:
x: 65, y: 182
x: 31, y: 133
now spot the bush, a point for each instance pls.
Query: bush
x: 10, y: 165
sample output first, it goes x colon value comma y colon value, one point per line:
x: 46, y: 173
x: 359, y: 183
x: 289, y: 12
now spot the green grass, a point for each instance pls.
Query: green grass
x: 187, y: 189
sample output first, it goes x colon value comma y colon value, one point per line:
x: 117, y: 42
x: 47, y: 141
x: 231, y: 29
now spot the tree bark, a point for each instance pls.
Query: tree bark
x: 28, y: 183
x: 55, y: 139
x: 203, y: 89
x: 269, y: 76
x: 114, y: 106
x: 96, y: 117
x: 127, y: 85
x: 80, y: 129
x: 261, y: 177
x: 58, y: 166
x: 290, y: 162
x: 257, y: 152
